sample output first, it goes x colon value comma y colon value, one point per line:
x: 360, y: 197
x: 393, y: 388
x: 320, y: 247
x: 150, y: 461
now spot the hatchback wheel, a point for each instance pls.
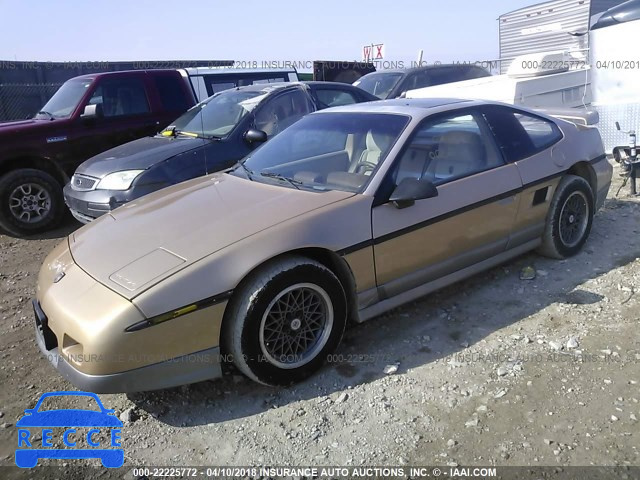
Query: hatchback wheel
x: 30, y: 202
x: 285, y: 320
x: 569, y: 219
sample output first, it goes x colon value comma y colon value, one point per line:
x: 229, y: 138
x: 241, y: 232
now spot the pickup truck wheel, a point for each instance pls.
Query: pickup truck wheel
x: 30, y: 202
x: 285, y: 321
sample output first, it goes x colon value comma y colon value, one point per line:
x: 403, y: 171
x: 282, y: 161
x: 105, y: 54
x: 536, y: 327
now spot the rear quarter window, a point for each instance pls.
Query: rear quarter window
x: 542, y: 133
x: 519, y: 134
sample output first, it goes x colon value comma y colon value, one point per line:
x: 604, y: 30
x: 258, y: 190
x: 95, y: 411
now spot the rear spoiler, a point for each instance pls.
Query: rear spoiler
x: 574, y: 115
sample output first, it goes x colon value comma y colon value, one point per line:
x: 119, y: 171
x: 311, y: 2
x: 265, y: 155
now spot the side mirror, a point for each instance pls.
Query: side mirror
x: 410, y: 190
x: 92, y: 111
x: 255, y: 136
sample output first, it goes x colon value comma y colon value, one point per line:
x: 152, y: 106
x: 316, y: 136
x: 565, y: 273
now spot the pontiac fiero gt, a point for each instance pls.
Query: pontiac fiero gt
x: 350, y: 212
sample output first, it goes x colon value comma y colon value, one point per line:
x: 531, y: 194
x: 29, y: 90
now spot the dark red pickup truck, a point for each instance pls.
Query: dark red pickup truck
x: 89, y: 115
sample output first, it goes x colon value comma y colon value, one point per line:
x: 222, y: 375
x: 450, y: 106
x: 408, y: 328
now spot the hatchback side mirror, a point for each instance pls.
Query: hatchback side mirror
x: 411, y: 189
x: 254, y: 135
x: 92, y: 111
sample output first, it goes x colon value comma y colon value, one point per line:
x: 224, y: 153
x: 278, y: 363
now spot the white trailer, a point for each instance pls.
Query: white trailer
x: 608, y: 82
x: 542, y: 80
x: 615, y: 73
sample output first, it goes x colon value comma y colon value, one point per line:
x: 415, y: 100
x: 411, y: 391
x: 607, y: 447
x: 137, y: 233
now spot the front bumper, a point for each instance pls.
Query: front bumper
x: 192, y: 368
x: 81, y: 329
x: 88, y: 205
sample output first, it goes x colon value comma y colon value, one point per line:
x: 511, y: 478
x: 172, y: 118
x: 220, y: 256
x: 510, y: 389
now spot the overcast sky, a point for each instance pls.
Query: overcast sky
x: 249, y: 30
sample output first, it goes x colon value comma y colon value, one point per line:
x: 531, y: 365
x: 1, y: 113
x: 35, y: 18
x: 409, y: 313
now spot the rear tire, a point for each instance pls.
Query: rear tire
x: 569, y: 218
x: 31, y: 202
x: 285, y: 320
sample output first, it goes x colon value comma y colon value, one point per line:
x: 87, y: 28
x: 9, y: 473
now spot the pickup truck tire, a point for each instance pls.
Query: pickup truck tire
x: 31, y: 202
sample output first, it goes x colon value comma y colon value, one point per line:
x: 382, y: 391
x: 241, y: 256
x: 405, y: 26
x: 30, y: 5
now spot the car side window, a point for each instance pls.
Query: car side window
x: 331, y: 97
x: 447, y: 149
x: 409, y: 83
x: 282, y: 111
x: 121, y: 97
x: 542, y: 133
x: 422, y: 80
x: 217, y: 87
x: 443, y: 75
x: 519, y: 134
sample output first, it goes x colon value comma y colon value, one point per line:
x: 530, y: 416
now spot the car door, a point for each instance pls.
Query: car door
x: 470, y: 219
x: 126, y: 115
x: 282, y: 111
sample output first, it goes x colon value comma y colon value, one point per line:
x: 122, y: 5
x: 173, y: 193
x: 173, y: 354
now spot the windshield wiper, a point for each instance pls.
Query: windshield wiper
x: 196, y: 135
x: 278, y: 176
x: 247, y: 170
x: 42, y: 112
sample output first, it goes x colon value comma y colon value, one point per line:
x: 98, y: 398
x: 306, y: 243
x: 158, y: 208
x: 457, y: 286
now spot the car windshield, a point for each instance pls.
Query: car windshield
x: 219, y: 114
x: 379, y: 84
x: 65, y: 100
x: 327, y: 151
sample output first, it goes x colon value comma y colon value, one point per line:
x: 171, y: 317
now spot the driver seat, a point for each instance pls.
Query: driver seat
x: 377, y: 144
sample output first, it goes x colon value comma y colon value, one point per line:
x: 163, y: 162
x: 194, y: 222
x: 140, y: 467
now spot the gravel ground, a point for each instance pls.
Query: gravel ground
x: 495, y: 370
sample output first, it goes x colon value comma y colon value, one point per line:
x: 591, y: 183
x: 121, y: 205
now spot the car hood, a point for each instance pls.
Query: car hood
x: 20, y: 126
x: 150, y: 239
x: 137, y: 155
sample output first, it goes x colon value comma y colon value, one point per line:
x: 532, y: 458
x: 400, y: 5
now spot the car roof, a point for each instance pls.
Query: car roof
x: 424, y: 68
x: 91, y: 76
x: 408, y: 106
x: 222, y: 70
x: 194, y: 71
x: 269, y: 87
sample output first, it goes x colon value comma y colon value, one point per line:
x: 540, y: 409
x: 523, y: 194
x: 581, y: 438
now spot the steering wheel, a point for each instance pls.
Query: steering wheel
x: 366, y: 166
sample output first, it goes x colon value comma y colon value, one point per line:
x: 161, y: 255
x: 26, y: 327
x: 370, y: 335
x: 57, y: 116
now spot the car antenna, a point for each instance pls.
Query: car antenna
x: 206, y: 164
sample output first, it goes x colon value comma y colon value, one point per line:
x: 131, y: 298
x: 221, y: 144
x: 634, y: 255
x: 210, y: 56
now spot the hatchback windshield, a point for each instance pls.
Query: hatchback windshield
x: 326, y: 151
x: 66, y: 99
x: 218, y: 115
x: 379, y: 84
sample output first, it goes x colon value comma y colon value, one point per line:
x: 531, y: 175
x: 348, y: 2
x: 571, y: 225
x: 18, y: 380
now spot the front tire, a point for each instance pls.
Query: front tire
x: 285, y: 320
x: 30, y: 202
x: 569, y: 219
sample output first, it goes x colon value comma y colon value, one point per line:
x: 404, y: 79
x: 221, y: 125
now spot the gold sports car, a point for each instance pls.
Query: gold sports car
x: 348, y: 213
